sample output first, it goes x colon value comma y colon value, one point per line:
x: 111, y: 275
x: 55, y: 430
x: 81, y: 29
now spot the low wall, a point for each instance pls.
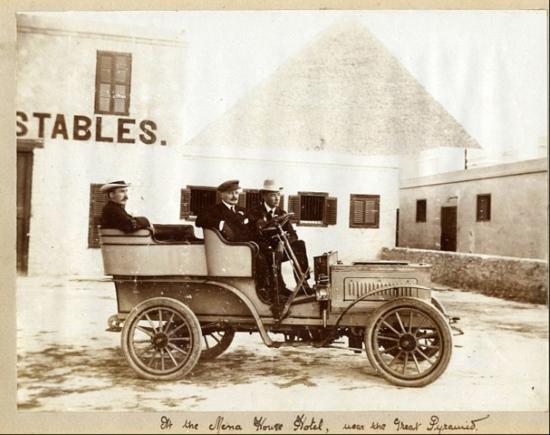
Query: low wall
x: 512, y: 278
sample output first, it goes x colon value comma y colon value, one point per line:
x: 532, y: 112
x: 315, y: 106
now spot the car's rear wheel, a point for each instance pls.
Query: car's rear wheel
x: 408, y: 342
x: 215, y: 340
x: 161, y: 339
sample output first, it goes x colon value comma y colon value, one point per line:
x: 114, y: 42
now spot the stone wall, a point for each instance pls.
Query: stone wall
x: 512, y: 278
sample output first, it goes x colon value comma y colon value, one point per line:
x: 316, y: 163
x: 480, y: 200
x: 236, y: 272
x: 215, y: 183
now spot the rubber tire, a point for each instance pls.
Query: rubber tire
x: 435, y: 315
x: 195, y: 334
x: 216, y: 351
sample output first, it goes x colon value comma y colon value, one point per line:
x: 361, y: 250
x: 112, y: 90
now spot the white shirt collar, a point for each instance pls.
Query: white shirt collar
x: 268, y: 209
x: 229, y: 206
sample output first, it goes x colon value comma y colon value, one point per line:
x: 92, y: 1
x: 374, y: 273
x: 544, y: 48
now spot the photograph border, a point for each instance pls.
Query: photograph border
x: 13, y: 421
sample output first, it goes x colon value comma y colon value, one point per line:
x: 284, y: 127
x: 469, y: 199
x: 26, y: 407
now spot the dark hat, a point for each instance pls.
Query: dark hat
x: 113, y: 185
x: 229, y: 185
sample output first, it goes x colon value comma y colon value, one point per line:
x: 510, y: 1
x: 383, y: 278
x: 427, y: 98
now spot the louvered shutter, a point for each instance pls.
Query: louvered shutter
x: 282, y: 202
x: 364, y: 211
x: 97, y: 202
x: 185, y: 203
x: 357, y: 212
x: 331, y: 211
x: 252, y: 198
x: 294, y: 207
x: 242, y: 200
x: 372, y: 212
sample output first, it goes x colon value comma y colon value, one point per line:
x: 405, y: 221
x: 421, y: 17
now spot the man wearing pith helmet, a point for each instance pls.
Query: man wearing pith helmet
x: 262, y: 214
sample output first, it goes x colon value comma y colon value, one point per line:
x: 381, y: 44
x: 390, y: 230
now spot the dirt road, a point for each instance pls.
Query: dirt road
x: 68, y: 362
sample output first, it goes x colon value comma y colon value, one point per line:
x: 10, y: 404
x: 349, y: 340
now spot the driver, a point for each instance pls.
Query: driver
x: 259, y: 218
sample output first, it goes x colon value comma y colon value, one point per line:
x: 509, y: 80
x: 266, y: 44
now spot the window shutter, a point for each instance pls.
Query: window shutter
x: 357, y: 212
x: 185, y: 203
x: 294, y: 207
x: 372, y: 212
x: 282, y: 202
x: 97, y: 202
x: 242, y: 200
x: 331, y: 211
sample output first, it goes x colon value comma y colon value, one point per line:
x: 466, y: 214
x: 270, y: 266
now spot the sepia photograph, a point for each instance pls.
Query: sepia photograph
x: 254, y: 220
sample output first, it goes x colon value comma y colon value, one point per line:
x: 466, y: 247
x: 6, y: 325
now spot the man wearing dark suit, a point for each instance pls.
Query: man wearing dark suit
x: 232, y: 222
x: 227, y: 216
x: 261, y: 214
x: 115, y: 216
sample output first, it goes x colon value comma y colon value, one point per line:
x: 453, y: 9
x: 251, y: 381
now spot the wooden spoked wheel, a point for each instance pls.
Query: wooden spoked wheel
x: 161, y: 339
x: 215, y: 340
x: 408, y: 342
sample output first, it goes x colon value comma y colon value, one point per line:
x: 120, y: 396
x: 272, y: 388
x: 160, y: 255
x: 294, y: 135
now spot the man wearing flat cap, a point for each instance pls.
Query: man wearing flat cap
x: 114, y: 214
x: 262, y: 214
x: 227, y: 216
x: 232, y: 222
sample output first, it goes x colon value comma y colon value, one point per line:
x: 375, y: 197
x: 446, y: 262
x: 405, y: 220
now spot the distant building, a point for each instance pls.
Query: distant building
x: 98, y: 103
x: 499, y: 210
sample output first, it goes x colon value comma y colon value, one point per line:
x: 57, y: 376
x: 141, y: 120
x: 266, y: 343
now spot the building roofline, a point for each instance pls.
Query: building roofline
x: 497, y: 171
x: 77, y: 27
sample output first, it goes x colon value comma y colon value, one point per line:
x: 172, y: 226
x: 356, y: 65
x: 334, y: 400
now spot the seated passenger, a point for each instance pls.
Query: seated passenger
x: 231, y: 221
x: 115, y: 216
x: 227, y: 216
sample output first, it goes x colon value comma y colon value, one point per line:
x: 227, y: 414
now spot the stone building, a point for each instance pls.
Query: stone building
x: 498, y: 210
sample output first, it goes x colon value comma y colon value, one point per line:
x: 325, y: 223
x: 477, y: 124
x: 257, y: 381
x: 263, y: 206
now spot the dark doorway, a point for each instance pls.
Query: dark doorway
x: 24, y: 189
x: 448, y: 228
x: 397, y: 227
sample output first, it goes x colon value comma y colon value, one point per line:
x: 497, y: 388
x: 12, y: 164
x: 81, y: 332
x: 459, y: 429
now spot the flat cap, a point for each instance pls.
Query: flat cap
x: 229, y: 185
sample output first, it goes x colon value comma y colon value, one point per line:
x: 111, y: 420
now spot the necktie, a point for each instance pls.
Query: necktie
x: 233, y: 209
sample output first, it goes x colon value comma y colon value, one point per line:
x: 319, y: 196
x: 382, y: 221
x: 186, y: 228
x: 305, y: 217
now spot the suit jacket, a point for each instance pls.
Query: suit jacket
x: 259, y: 216
x: 234, y: 230
x: 114, y: 216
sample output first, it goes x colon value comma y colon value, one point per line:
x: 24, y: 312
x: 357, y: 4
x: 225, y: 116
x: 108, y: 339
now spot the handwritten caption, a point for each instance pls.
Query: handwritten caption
x: 303, y: 423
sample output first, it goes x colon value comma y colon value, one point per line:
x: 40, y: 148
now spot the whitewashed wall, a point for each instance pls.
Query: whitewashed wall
x: 56, y: 74
x: 56, y: 71
x: 59, y: 227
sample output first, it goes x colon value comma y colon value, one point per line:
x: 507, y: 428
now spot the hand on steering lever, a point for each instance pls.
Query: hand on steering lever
x: 272, y: 223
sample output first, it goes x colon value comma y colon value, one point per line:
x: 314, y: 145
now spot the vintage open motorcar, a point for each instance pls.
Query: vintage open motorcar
x: 181, y: 302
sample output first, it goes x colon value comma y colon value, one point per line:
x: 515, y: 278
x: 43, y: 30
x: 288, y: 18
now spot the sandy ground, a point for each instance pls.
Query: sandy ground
x: 68, y: 362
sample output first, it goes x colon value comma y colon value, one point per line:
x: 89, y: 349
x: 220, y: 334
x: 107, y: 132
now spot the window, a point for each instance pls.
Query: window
x: 195, y: 198
x: 97, y: 202
x: 250, y: 198
x: 421, y: 210
x: 483, y: 207
x: 112, y: 83
x: 313, y: 208
x: 364, y: 211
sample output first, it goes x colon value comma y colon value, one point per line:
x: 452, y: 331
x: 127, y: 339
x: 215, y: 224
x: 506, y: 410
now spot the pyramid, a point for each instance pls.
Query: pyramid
x: 344, y: 93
